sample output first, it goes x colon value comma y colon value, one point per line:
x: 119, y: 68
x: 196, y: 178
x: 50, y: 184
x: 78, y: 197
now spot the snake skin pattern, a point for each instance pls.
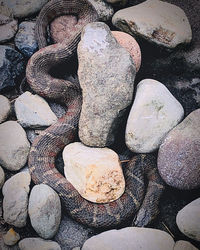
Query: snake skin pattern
x: 46, y: 147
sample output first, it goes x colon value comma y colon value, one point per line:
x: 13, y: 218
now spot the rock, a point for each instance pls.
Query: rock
x: 184, y: 245
x: 104, y: 10
x: 5, y: 108
x: 8, y: 28
x: 71, y: 234
x: 107, y: 84
x: 25, y: 39
x: 154, y: 113
x: 2, y: 177
x: 57, y: 109
x: 11, y: 66
x: 38, y: 244
x: 159, y: 22
x: 15, y: 202
x: 11, y: 237
x: 188, y: 220
x: 116, y: 1
x: 33, y: 111
x: 130, y: 238
x: 178, y: 156
x: 14, y: 146
x: 24, y: 8
x: 44, y: 210
x: 131, y: 45
x: 95, y: 172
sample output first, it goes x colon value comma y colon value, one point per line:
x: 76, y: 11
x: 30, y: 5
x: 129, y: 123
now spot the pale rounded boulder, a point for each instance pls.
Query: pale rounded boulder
x: 155, y: 111
x: 95, y: 172
x: 184, y: 245
x: 5, y: 108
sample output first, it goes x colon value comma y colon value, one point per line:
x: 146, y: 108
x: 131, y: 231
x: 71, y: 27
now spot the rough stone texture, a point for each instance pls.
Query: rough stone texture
x: 184, y: 245
x: 104, y: 10
x: 106, y: 74
x: 2, y: 177
x: 25, y: 39
x: 178, y: 156
x: 44, y: 210
x: 130, y: 238
x: 156, y: 21
x: 94, y: 172
x: 188, y: 220
x: 14, y: 146
x: 11, y: 66
x: 38, y: 244
x: 8, y: 28
x: 33, y: 111
x: 5, y: 108
x: 24, y: 8
x: 130, y: 44
x: 15, y: 202
x: 11, y: 237
x: 154, y: 113
x: 71, y: 234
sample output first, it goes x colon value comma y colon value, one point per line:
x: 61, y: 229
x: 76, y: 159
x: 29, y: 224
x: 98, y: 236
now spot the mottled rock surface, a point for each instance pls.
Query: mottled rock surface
x: 25, y: 39
x: 154, y: 113
x: 38, y: 244
x: 178, y: 156
x: 184, y: 245
x: 15, y: 202
x: 188, y: 220
x: 8, y: 28
x: 11, y: 237
x: 157, y: 21
x: 104, y: 10
x: 33, y: 111
x: 44, y: 210
x: 5, y: 108
x: 14, y: 146
x: 130, y: 238
x: 106, y: 74
x: 94, y: 172
x: 2, y: 177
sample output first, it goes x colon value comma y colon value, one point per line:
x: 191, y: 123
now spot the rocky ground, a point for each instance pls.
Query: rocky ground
x: 178, y: 69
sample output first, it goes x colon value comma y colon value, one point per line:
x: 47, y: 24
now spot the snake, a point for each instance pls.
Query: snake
x: 135, y: 205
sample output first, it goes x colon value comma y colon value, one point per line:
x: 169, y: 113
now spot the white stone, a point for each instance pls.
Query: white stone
x: 38, y: 244
x: 44, y: 210
x: 14, y: 146
x: 184, y: 245
x: 105, y: 11
x: 2, y: 177
x: 5, y: 108
x: 154, y: 113
x: 11, y: 237
x: 15, y: 201
x: 33, y: 111
x: 158, y: 21
x: 130, y: 238
x: 188, y: 220
x: 95, y: 172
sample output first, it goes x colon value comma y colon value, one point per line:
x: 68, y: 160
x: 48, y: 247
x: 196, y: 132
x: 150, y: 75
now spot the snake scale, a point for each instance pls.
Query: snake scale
x: 46, y: 146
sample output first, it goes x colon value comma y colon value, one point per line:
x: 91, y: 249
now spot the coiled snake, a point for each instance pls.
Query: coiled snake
x: 46, y: 147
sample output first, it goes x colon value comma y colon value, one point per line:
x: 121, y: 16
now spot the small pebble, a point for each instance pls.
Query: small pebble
x: 38, y: 244
x: 11, y: 237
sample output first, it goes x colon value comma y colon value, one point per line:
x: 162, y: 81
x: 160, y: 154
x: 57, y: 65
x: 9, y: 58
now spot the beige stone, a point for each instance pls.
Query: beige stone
x: 95, y: 172
x: 184, y: 245
x: 11, y: 237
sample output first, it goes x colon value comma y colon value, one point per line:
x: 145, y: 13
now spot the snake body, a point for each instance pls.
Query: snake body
x: 46, y: 147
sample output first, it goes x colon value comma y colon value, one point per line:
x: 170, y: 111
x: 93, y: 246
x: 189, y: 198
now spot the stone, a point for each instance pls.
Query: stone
x: 130, y: 238
x: 178, y: 156
x: 8, y: 28
x: 5, y: 108
x: 159, y: 22
x: 2, y: 177
x: 33, y: 111
x: 11, y: 237
x: 11, y: 66
x: 184, y: 245
x: 25, y: 39
x: 153, y: 114
x: 188, y: 220
x: 116, y: 1
x: 131, y: 45
x: 106, y: 74
x: 14, y: 146
x: 95, y: 172
x: 24, y: 8
x: 44, y: 210
x: 104, y: 10
x: 38, y: 244
x: 15, y: 201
